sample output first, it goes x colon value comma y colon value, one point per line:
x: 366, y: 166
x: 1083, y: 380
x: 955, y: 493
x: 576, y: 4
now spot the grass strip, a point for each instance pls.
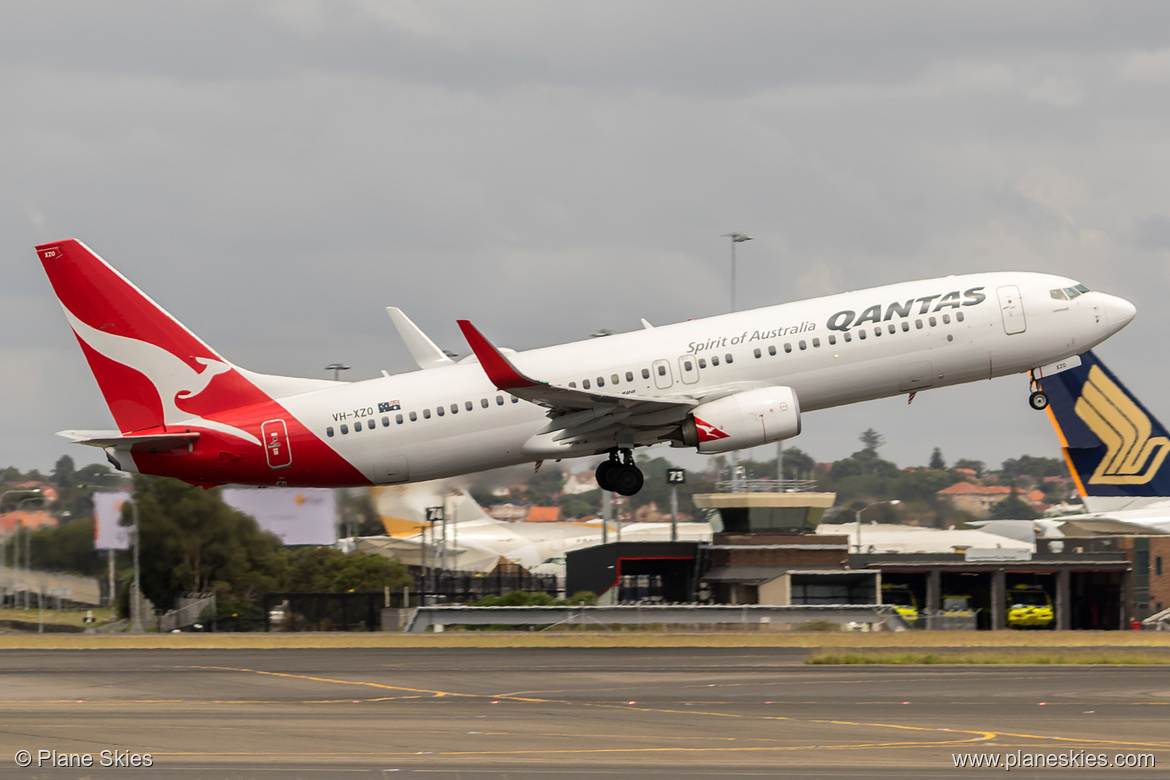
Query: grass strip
x: 1073, y: 656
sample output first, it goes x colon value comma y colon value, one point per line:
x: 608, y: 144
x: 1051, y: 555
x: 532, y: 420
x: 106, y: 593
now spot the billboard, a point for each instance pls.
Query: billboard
x: 107, y: 513
x: 296, y: 515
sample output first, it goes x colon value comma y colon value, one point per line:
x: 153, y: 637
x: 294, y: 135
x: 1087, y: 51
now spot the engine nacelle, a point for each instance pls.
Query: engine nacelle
x: 741, y: 420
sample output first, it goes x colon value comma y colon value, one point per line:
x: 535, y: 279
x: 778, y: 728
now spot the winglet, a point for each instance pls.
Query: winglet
x: 424, y: 351
x: 499, y: 369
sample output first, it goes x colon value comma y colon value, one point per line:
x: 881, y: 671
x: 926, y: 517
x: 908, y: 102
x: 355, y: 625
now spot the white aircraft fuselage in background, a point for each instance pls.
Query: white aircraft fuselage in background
x: 716, y: 384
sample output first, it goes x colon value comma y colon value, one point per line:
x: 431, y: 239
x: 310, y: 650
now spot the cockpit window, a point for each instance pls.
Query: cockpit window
x: 1068, y: 293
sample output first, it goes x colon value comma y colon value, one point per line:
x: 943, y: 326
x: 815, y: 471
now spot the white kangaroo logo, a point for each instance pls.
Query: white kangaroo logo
x: 172, y: 378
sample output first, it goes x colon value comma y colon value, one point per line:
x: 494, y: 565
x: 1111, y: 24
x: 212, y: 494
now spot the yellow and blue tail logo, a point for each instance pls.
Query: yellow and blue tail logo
x: 1114, y: 447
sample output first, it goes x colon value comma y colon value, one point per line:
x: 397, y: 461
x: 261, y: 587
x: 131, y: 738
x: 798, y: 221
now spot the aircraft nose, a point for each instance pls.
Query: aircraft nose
x: 1118, y: 312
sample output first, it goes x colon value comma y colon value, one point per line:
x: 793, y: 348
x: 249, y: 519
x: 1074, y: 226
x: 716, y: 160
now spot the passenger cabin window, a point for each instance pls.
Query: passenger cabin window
x: 585, y: 384
x: 816, y: 342
x: 414, y: 416
x: 344, y: 429
x: 933, y: 322
x: 832, y: 339
x: 662, y: 371
x: 905, y: 326
x: 629, y: 376
x: 959, y: 316
x: 772, y: 350
x: 398, y: 419
x: 848, y: 336
x: 892, y: 329
x: 572, y: 384
x: 483, y: 402
x: 601, y: 381
x: 714, y: 360
x: 468, y: 405
x: 645, y: 373
x: 357, y: 426
x: 613, y: 379
x: 439, y: 411
x: 454, y: 408
x: 918, y: 324
x: 426, y: 414
x: 946, y: 319
x: 499, y: 400
x: 728, y: 357
x: 688, y: 365
x: 787, y: 347
x: 757, y: 352
x: 861, y: 334
x: 386, y: 421
x: 329, y: 431
x: 802, y: 344
x: 702, y: 362
x: 877, y: 331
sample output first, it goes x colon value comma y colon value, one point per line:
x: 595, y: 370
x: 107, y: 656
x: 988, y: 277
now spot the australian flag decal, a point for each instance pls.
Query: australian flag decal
x: 389, y: 406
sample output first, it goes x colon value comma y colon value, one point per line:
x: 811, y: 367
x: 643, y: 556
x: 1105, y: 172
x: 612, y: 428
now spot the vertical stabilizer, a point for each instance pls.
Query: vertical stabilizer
x: 1113, y: 445
x: 150, y: 368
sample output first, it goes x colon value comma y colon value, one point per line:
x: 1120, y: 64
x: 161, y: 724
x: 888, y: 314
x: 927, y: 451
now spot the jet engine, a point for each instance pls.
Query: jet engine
x: 746, y: 419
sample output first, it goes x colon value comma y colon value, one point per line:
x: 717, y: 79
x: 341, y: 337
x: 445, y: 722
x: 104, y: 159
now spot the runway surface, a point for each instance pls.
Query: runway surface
x: 561, y: 712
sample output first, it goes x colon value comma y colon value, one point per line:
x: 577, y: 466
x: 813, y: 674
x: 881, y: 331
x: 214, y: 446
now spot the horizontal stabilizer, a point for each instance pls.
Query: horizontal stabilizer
x: 151, y: 442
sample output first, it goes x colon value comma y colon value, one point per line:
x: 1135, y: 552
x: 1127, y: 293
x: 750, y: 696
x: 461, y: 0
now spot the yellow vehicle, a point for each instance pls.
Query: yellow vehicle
x: 903, y: 601
x: 1029, y: 606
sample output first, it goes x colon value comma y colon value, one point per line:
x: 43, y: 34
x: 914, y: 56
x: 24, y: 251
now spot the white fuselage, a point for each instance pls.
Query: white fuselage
x: 835, y: 350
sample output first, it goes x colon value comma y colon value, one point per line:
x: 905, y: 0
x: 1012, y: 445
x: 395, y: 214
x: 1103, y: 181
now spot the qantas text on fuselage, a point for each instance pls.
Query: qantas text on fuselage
x: 716, y: 384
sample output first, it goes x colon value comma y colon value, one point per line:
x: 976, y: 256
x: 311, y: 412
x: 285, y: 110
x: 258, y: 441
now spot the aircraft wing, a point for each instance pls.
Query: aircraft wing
x: 574, y: 413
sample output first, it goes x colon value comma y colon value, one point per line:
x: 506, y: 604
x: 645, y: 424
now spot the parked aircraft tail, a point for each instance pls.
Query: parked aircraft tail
x: 1113, y: 445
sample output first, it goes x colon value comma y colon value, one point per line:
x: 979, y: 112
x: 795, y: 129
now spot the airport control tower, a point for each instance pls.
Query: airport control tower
x: 765, y: 549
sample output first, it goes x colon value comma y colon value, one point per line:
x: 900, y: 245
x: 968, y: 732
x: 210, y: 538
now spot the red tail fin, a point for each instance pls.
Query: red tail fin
x: 151, y: 370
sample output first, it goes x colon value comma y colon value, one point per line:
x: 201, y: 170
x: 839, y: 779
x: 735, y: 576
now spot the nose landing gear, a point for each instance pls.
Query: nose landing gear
x: 1038, y: 400
x: 619, y: 474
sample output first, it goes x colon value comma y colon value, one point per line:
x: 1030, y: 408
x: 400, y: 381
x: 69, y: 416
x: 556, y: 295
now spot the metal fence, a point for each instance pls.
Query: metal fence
x: 190, y: 609
x: 458, y: 587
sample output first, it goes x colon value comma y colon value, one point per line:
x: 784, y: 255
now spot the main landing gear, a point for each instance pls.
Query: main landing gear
x: 1038, y: 400
x: 619, y: 474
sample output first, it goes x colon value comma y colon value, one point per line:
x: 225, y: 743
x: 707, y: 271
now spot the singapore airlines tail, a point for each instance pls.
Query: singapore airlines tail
x: 1114, y: 447
x: 152, y: 370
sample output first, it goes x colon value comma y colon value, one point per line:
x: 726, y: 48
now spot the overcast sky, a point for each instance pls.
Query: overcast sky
x: 274, y: 174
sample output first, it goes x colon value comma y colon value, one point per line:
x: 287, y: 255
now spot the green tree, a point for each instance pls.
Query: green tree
x: 66, y: 548
x: 1013, y: 508
x: 973, y: 465
x: 798, y: 464
x: 64, y: 473
x: 326, y: 570
x: 357, y: 514
x: 192, y: 541
x: 936, y: 459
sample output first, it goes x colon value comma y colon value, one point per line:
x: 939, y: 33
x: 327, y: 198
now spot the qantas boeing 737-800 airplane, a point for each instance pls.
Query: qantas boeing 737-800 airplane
x: 717, y: 384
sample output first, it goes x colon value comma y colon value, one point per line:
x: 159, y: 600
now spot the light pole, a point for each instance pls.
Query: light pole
x: 136, y: 604
x: 857, y: 517
x: 736, y: 238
